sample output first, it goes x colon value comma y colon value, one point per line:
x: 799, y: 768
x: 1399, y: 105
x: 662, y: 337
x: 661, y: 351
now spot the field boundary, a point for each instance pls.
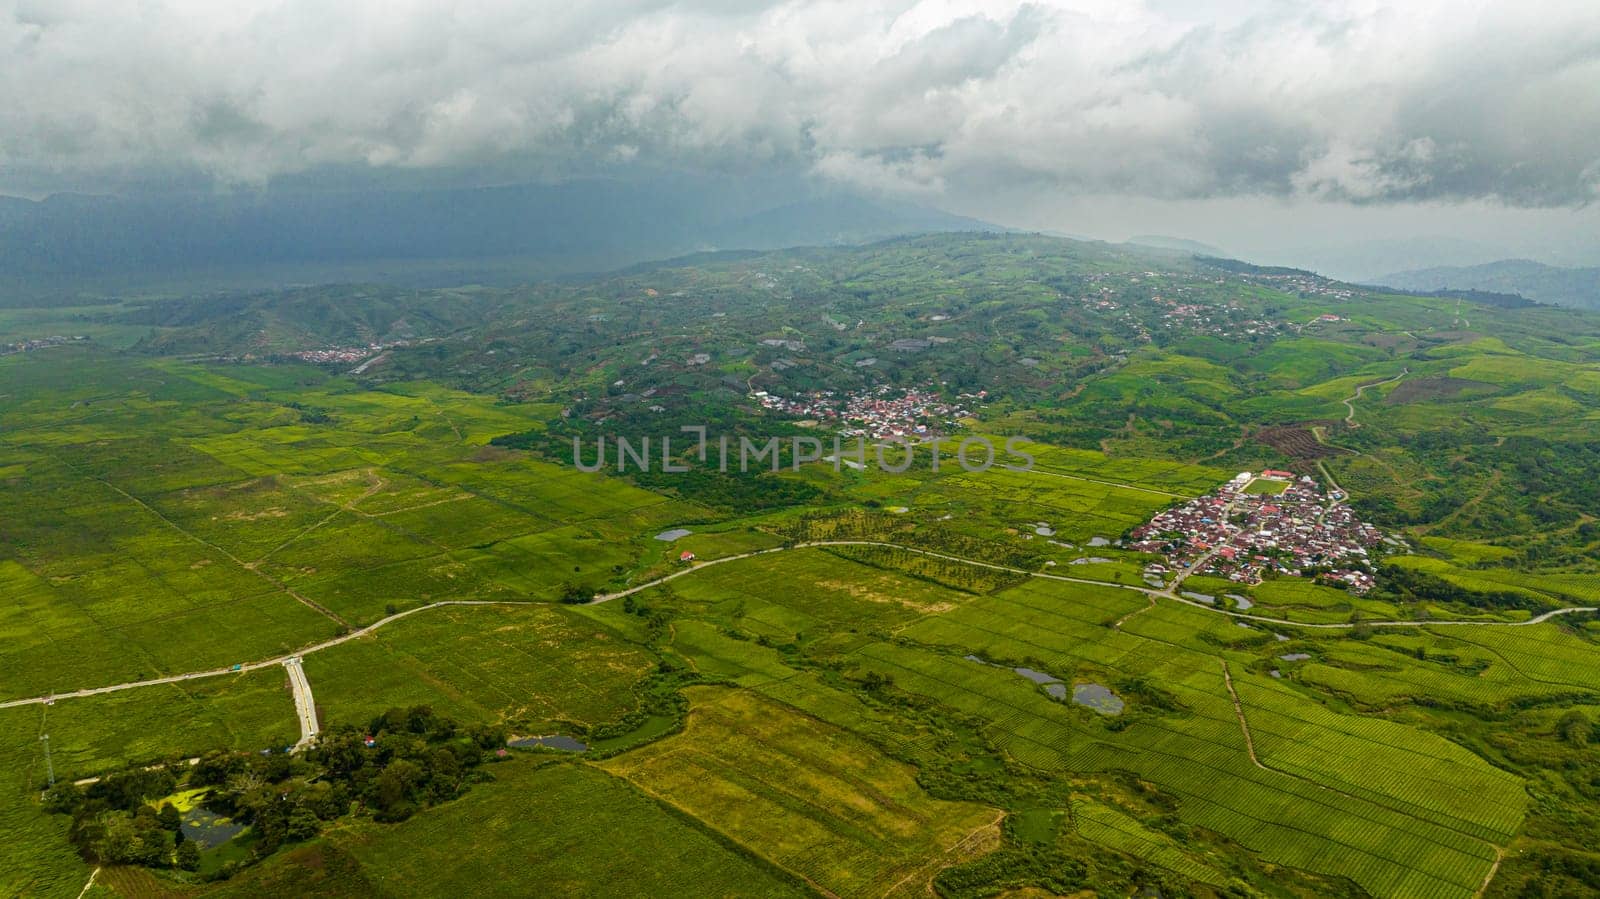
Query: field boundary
x: 1154, y: 594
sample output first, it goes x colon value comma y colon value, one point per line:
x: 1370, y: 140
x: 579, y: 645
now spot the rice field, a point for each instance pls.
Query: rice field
x: 810, y: 798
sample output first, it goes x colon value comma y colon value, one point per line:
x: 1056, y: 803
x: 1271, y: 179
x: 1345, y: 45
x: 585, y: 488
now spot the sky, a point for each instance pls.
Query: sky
x: 1261, y: 126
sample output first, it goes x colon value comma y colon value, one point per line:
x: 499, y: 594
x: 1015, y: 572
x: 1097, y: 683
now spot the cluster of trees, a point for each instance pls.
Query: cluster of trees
x: 112, y: 822
x: 415, y: 759
x: 1399, y: 584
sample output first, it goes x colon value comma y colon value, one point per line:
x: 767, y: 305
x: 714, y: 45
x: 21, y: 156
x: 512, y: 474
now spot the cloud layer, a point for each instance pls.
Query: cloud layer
x: 1358, y: 100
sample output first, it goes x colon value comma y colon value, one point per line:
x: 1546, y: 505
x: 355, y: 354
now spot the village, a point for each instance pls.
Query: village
x: 338, y: 354
x: 1271, y: 523
x: 38, y: 343
x: 878, y: 413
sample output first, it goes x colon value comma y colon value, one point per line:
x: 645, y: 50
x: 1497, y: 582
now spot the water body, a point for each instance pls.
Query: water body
x: 1243, y: 602
x: 554, y: 741
x: 1097, y: 697
x: 1276, y: 673
x: 674, y: 534
x: 1089, y: 560
x: 1295, y: 656
x: 208, y: 829
x: 1281, y: 638
x: 1099, y: 541
x: 1050, y: 682
x: 1206, y: 598
x: 1044, y: 530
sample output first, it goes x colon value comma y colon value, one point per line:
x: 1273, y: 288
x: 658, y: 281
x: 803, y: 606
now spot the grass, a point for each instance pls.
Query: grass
x: 808, y: 797
x: 156, y: 514
x: 562, y: 827
x: 529, y: 665
x: 1267, y: 486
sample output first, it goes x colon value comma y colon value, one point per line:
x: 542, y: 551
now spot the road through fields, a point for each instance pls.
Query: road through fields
x: 1168, y: 593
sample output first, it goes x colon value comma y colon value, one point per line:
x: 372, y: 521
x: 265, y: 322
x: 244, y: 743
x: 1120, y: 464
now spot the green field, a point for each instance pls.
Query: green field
x: 895, y: 711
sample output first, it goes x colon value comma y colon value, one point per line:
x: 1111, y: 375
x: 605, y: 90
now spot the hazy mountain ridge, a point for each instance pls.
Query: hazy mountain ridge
x: 1537, y: 281
x: 529, y: 230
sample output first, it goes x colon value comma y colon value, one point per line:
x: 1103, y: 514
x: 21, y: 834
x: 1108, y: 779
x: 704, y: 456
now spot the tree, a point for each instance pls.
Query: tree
x: 1574, y: 727
x: 63, y: 797
x: 169, y: 817
x: 188, y: 856
x: 302, y: 824
x: 393, y: 789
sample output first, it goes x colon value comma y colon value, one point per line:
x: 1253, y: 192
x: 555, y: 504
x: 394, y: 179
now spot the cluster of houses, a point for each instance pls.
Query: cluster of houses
x: 879, y: 413
x: 1175, y: 311
x: 1229, y: 321
x: 1253, y: 525
x: 338, y: 354
x: 37, y: 343
x: 1305, y: 284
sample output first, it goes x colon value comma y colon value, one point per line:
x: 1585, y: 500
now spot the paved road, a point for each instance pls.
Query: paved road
x: 1167, y: 593
x: 305, y: 707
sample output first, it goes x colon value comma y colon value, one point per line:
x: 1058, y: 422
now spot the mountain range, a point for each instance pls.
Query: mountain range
x: 70, y: 243
x: 1578, y: 287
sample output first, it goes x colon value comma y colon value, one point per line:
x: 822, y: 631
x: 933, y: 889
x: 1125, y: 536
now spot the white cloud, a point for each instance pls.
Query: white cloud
x: 1358, y: 100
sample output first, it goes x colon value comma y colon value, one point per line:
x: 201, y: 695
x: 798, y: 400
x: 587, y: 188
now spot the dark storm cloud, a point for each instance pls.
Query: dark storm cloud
x: 1354, y: 101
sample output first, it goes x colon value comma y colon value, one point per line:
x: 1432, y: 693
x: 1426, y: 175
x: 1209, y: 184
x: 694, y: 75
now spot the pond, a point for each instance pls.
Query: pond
x: 674, y: 534
x: 1052, y: 684
x: 1295, y: 656
x: 1099, y: 541
x: 1242, y: 602
x: 208, y: 829
x: 1097, y: 697
x: 1206, y: 598
x: 1089, y: 560
x: 1043, y: 529
x: 554, y: 741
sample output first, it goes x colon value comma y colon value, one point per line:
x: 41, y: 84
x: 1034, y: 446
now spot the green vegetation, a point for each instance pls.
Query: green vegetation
x: 888, y: 713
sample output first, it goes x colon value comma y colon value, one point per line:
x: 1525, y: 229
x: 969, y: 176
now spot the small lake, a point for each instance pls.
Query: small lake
x: 554, y: 741
x: 1243, y: 602
x: 1097, y: 697
x: 674, y: 534
x: 1206, y: 598
x: 1038, y: 677
x: 1099, y: 541
x: 1295, y: 656
x: 1044, y: 530
x: 1052, y: 684
x: 1089, y: 560
x: 208, y: 829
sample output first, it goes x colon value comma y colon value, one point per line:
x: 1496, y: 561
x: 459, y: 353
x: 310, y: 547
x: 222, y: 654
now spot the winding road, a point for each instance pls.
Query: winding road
x: 1169, y: 593
x: 1350, y: 418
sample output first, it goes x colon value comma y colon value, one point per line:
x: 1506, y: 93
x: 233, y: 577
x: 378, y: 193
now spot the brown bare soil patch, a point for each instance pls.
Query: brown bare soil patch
x: 1421, y: 390
x: 1297, y: 441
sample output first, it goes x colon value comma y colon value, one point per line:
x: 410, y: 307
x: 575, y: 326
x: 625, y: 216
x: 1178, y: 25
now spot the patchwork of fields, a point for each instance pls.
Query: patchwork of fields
x: 853, y: 720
